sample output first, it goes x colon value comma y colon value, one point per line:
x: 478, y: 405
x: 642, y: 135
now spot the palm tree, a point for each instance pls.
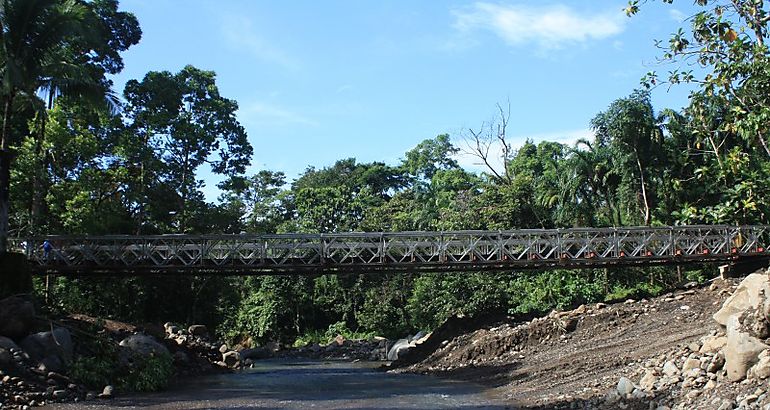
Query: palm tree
x: 35, y: 48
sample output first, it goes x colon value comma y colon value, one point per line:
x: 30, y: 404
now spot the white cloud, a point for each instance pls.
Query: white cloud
x: 259, y: 113
x: 549, y: 27
x: 473, y: 163
x: 677, y: 15
x: 239, y: 33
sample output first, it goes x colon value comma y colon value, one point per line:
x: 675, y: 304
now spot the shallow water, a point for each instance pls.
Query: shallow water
x: 281, y: 384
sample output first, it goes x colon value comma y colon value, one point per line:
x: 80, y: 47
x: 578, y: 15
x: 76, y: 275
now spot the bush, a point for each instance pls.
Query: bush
x: 102, y: 366
x: 152, y: 373
x: 94, y: 372
x: 335, y: 329
x: 543, y: 291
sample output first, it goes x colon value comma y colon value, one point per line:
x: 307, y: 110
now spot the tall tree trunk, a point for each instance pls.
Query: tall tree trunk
x: 5, y: 175
x: 5, y: 198
x: 644, y: 189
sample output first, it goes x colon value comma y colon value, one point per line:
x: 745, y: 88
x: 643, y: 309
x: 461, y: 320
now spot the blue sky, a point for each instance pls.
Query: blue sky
x: 321, y: 81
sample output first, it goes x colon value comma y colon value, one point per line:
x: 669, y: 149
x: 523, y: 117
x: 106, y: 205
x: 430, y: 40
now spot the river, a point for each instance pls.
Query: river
x: 282, y: 384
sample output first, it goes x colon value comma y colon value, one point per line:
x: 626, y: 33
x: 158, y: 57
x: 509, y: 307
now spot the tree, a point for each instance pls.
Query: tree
x: 256, y: 201
x: 629, y: 128
x: 430, y: 156
x: 490, y: 144
x: 177, y: 122
x: 43, y: 44
x: 728, y: 41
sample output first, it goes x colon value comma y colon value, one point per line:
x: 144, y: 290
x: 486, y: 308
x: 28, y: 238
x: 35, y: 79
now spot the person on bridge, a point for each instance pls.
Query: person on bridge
x: 47, y: 248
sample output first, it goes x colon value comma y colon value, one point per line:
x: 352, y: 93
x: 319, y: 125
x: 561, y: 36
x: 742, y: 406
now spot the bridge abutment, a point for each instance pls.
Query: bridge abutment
x: 743, y: 267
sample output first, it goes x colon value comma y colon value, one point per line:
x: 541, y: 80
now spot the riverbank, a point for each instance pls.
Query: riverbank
x: 664, y: 352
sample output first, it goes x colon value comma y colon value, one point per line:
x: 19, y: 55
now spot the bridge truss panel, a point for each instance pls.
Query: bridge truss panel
x: 397, y: 251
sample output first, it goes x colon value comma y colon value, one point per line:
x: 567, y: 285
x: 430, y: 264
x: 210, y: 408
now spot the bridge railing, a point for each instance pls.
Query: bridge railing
x: 452, y: 250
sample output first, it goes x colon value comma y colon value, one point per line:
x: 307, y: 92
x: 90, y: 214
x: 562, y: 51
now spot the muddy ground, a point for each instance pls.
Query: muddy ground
x: 572, y: 359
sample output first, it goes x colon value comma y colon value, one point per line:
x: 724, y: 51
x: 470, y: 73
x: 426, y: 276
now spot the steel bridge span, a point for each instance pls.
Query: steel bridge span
x: 394, y: 251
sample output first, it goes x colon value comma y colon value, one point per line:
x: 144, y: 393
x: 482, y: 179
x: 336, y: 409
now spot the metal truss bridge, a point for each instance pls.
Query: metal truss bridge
x: 394, y: 252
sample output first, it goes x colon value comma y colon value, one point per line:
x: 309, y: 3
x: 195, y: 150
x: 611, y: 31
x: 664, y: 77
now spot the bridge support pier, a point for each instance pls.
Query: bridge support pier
x: 743, y: 267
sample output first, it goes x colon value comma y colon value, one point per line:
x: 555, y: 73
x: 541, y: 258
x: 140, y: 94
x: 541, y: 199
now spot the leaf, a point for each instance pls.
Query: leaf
x: 730, y: 36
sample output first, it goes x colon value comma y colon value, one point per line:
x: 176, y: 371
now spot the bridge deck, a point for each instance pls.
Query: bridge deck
x: 394, y: 252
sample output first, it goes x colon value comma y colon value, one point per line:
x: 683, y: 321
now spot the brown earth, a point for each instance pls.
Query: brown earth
x: 572, y: 359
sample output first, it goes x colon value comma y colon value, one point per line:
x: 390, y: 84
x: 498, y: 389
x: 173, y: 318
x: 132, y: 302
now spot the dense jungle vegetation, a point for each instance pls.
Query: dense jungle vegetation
x: 77, y: 158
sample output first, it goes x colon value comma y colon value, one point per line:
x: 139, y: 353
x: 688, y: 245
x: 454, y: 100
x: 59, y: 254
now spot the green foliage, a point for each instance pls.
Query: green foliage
x: 93, y: 371
x: 152, y: 373
x: 438, y: 296
x: 99, y: 364
x: 543, y: 291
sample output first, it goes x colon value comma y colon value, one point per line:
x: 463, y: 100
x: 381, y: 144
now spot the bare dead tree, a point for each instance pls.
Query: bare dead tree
x: 490, y: 144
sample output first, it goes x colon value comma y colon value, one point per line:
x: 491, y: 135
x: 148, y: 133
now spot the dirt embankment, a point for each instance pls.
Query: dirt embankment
x: 577, y: 358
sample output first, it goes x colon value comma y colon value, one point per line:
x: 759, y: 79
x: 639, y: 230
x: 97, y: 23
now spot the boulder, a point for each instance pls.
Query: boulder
x: 107, y: 392
x: 5, y: 357
x: 648, y: 380
x: 670, y: 369
x: 690, y: 364
x: 17, y: 316
x: 52, y: 349
x: 7, y: 343
x: 750, y: 294
x: 143, y: 345
x: 198, y: 330
x: 742, y: 350
x: 713, y: 344
x: 625, y: 387
x: 761, y: 370
x: 418, y: 336
x: 401, y: 345
x: 231, y: 358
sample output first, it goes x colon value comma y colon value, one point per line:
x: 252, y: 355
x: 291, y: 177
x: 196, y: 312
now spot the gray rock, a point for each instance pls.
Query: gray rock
x: 59, y: 394
x: 231, y: 359
x: 398, y: 348
x: 690, y: 364
x: 761, y: 370
x: 108, y: 392
x: 749, y: 294
x: 198, y: 330
x: 7, y: 343
x: 143, y: 345
x: 51, y: 364
x: 713, y: 344
x: 742, y: 350
x: 17, y: 315
x: 670, y: 369
x: 418, y: 336
x: 53, y: 349
x: 625, y: 387
x: 5, y: 357
x: 648, y: 381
